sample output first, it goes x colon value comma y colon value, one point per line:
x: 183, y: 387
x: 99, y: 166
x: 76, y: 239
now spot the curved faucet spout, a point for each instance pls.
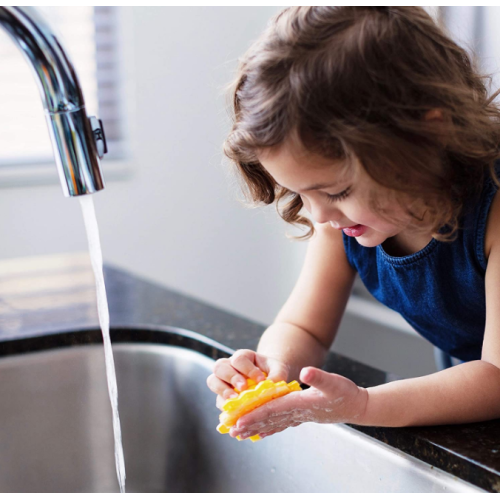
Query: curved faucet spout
x: 78, y: 142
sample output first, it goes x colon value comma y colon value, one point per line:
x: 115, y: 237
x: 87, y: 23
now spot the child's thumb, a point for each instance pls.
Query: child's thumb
x: 319, y: 379
x: 277, y: 372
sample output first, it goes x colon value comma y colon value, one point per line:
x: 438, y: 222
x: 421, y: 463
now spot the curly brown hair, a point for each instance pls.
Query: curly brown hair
x: 358, y: 82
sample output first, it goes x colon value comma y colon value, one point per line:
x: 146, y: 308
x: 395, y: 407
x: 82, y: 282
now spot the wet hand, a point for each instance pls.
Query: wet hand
x: 231, y: 373
x: 330, y: 399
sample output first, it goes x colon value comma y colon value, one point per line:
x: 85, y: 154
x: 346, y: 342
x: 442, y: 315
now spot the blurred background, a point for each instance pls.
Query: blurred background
x: 172, y: 210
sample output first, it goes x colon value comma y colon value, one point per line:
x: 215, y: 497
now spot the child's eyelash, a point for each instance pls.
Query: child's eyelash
x: 339, y: 196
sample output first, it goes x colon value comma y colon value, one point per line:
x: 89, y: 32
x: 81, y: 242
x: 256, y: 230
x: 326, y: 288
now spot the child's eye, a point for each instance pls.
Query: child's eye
x: 339, y: 196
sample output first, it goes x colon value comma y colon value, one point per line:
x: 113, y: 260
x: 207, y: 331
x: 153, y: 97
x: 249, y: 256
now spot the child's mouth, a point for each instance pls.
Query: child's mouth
x: 355, y: 231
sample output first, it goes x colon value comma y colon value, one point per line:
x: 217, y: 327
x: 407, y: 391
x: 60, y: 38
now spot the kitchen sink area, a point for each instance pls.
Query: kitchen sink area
x: 56, y: 429
x: 56, y: 433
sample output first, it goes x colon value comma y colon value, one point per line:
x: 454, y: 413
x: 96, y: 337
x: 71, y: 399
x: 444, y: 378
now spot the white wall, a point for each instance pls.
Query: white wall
x: 176, y: 220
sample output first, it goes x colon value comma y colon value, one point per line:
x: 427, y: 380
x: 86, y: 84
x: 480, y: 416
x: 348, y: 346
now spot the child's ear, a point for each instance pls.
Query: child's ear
x: 434, y: 115
x: 439, y: 120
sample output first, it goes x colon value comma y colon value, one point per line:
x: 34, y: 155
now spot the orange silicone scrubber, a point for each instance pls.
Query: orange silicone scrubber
x: 256, y: 395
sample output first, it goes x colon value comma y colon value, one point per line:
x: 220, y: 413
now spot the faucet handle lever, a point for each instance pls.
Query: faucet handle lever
x: 99, y: 136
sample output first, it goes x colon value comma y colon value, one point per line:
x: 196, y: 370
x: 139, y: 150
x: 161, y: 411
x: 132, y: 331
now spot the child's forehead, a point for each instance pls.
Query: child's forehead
x: 300, y: 170
x: 292, y: 156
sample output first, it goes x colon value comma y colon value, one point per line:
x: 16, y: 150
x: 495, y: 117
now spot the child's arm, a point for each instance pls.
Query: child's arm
x: 462, y: 394
x: 306, y: 325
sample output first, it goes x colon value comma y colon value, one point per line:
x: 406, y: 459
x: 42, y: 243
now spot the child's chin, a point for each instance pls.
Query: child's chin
x: 370, y: 240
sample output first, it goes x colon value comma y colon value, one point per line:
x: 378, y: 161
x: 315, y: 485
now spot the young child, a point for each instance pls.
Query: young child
x: 377, y: 124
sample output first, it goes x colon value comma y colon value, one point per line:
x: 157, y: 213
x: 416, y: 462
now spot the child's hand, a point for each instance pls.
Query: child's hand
x: 232, y: 372
x: 331, y: 399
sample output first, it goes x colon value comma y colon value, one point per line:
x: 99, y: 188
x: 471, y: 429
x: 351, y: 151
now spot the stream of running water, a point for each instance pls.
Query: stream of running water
x: 87, y: 204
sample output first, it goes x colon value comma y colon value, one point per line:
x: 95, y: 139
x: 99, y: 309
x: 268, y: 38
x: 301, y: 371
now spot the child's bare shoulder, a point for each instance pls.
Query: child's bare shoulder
x: 492, y: 236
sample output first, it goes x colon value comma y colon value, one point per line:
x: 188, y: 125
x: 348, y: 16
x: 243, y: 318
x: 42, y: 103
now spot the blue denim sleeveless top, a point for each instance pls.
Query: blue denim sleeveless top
x: 440, y: 289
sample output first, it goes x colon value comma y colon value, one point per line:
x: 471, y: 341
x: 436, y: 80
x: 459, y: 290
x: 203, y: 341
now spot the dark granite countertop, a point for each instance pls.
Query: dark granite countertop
x: 47, y: 295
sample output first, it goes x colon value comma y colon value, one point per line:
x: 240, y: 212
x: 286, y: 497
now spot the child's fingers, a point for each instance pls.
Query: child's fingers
x: 219, y: 402
x: 244, y: 362
x: 218, y: 386
x: 224, y: 371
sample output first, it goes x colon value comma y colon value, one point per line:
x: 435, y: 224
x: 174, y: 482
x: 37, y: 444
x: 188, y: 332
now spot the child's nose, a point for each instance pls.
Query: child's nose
x: 322, y: 215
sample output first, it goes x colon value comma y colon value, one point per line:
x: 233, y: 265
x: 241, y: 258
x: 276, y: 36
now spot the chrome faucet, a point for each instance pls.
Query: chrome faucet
x: 78, y: 141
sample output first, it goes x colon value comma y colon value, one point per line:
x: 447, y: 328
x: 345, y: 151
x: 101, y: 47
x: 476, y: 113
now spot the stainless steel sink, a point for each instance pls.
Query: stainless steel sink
x: 56, y: 433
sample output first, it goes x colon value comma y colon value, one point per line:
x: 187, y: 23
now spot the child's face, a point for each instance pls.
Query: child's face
x: 351, y: 187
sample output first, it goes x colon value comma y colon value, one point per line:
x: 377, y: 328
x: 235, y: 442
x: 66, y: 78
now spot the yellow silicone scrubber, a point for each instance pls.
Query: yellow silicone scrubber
x: 256, y: 395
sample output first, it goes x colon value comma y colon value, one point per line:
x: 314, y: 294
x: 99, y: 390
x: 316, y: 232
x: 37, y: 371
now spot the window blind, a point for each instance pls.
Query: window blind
x: 88, y: 34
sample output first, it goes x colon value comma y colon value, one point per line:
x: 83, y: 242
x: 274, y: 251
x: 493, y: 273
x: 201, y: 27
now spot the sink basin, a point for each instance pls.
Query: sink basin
x: 56, y: 432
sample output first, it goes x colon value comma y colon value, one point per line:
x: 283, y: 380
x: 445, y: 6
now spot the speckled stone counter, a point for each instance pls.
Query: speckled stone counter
x: 50, y: 301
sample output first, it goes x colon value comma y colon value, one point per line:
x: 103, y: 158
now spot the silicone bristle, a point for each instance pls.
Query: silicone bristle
x: 252, y: 438
x: 223, y: 429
